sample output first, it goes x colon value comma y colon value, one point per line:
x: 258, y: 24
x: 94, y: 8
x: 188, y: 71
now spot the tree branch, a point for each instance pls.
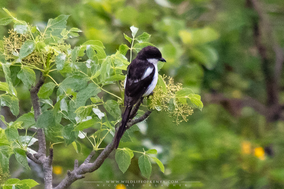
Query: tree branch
x: 41, y: 154
x: 37, y: 112
x: 88, y: 167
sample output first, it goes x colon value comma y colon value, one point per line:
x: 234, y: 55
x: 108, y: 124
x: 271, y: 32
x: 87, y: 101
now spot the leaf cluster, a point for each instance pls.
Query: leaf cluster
x: 81, y: 95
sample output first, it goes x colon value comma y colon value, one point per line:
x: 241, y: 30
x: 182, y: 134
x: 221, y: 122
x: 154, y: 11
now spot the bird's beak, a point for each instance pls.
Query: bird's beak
x: 162, y: 60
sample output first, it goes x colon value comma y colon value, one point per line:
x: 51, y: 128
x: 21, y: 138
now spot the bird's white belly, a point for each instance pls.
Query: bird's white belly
x: 152, y: 86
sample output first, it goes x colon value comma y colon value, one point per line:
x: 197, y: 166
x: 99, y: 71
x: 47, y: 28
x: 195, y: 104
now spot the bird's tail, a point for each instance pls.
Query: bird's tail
x: 122, y: 128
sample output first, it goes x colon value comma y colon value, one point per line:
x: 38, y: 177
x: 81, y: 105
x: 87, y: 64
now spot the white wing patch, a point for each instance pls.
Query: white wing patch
x: 153, y: 84
x: 147, y: 72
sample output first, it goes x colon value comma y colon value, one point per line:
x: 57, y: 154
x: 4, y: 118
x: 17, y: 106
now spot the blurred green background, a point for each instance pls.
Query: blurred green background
x: 224, y: 50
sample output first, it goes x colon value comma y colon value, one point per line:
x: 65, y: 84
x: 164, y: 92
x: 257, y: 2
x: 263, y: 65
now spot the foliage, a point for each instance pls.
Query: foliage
x: 70, y: 105
x: 210, y: 47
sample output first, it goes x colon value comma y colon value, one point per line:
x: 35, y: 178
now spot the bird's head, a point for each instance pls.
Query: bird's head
x: 151, y: 54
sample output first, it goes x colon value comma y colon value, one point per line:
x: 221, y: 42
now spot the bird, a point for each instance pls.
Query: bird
x: 140, y: 81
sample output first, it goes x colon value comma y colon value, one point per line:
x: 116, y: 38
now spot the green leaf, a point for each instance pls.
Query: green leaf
x: 196, y: 101
x: 29, y: 182
x: 83, y: 111
x: 11, y: 101
x: 5, y: 21
x: 184, y: 93
x: 27, y: 119
x: 94, y: 43
x: 116, y: 78
x: 86, y: 124
x: 159, y: 163
x: 144, y: 37
x: 134, y: 31
x: 112, y: 108
x: 90, y: 52
x: 123, y: 159
x: 46, y: 90
x: 84, y: 94
x: 129, y: 39
x: 69, y: 134
x: 145, y: 165
x: 7, y: 73
x: 123, y: 49
x: 151, y: 151
x: 27, y: 48
x: 139, y: 46
x: 46, y: 120
x: 4, y: 162
x: 75, y: 30
x: 105, y: 69
x: 27, y: 75
x: 74, y: 54
x: 21, y: 28
x: 12, y: 181
x: 129, y: 151
x: 21, y: 157
x: 55, y: 27
x: 4, y: 86
x: 59, y: 61
x: 74, y: 82
x: 12, y: 133
x: 97, y: 46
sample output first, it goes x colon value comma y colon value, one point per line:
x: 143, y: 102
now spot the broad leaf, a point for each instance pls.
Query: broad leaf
x: 74, y: 82
x: 145, y: 165
x: 7, y: 73
x: 29, y: 182
x: 123, y: 159
x: 12, y: 133
x: 21, y: 157
x: 27, y: 76
x: 129, y: 39
x: 123, y: 49
x: 4, y: 161
x: 27, y: 120
x: 46, y: 120
x: 55, y: 27
x: 86, y: 124
x: 27, y: 48
x: 69, y: 134
x: 159, y: 163
x: 11, y: 101
x: 112, y: 108
x: 5, y: 21
x: 59, y: 61
x: 144, y: 37
x: 46, y: 90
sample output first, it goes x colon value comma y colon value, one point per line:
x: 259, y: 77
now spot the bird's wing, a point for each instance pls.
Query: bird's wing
x: 139, y: 77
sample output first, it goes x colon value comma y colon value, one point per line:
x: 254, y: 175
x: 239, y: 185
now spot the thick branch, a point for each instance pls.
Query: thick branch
x: 41, y: 155
x: 87, y: 167
x: 37, y: 112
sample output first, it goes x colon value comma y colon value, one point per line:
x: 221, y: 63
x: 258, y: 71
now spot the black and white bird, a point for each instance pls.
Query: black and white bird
x: 141, y: 79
